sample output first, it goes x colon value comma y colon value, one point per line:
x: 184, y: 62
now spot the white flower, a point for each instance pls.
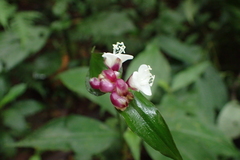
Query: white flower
x: 114, y: 60
x: 142, y: 80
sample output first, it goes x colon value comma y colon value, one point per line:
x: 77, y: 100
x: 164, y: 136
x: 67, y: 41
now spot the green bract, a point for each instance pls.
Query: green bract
x: 145, y: 120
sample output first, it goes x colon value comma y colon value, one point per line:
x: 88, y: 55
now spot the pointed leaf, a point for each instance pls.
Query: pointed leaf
x: 188, y: 129
x: 189, y: 54
x: 145, y: 120
x: 13, y: 93
x: 188, y: 76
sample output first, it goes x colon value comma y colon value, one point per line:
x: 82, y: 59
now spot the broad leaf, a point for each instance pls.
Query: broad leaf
x: 175, y: 48
x: 188, y: 76
x: 6, y: 12
x: 85, y: 136
x: 74, y: 79
x: 189, y: 129
x: 212, y: 89
x: 229, y: 119
x: 13, y: 52
x: 108, y: 24
x: 5, y: 149
x: 145, y: 120
x: 14, y: 117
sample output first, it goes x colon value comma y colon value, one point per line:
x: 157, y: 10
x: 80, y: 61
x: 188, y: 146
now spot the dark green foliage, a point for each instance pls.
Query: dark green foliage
x: 45, y: 51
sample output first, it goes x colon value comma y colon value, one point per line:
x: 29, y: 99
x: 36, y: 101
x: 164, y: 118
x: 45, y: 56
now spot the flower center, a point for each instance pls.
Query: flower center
x: 118, y: 48
x: 147, y: 77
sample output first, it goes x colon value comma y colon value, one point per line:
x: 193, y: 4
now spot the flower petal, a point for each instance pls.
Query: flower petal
x: 142, y: 80
x: 146, y: 89
x: 109, y: 59
x: 124, y: 57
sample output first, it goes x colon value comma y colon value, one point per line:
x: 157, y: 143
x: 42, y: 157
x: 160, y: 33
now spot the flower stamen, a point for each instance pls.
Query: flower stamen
x: 119, y: 48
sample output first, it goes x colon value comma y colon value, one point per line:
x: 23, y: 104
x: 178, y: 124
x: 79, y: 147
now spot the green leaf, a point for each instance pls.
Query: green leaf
x: 46, y: 64
x: 229, y: 119
x: 13, y: 93
x: 190, y: 9
x: 105, y: 24
x: 153, y: 57
x: 14, y: 117
x: 6, y: 11
x: 75, y: 80
x: 85, y: 136
x: 60, y: 7
x: 5, y: 149
x: 187, y: 53
x: 143, y: 118
x: 95, y: 68
x: 188, y: 76
x: 212, y: 93
x: 13, y: 52
x: 212, y: 89
x: 22, y: 24
x: 134, y: 143
x: 189, y: 129
x: 170, y: 22
x: 4, y: 85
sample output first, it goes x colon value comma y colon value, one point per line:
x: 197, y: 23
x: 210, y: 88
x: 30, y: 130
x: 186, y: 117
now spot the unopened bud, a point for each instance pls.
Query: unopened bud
x: 110, y: 75
x: 121, y: 87
x: 94, y: 82
x: 106, y: 85
x: 120, y: 102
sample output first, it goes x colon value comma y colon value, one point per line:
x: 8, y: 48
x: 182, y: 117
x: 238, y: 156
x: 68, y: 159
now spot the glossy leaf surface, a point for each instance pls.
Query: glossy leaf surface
x: 145, y: 120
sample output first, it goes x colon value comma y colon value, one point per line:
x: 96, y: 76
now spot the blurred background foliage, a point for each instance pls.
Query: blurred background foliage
x: 45, y: 47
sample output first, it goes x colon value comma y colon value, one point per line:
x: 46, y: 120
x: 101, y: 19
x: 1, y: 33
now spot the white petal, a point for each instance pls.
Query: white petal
x: 109, y: 59
x: 142, y: 80
x: 143, y: 68
x: 146, y: 89
x: 133, y: 83
x: 124, y: 57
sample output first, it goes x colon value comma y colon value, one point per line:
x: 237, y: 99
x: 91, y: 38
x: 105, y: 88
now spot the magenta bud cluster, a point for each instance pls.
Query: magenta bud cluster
x: 109, y: 82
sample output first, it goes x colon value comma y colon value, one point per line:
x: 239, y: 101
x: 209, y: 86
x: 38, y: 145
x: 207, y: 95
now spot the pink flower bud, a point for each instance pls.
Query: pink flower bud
x: 110, y: 75
x: 106, y: 85
x: 120, y: 102
x: 121, y: 87
x: 94, y: 83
